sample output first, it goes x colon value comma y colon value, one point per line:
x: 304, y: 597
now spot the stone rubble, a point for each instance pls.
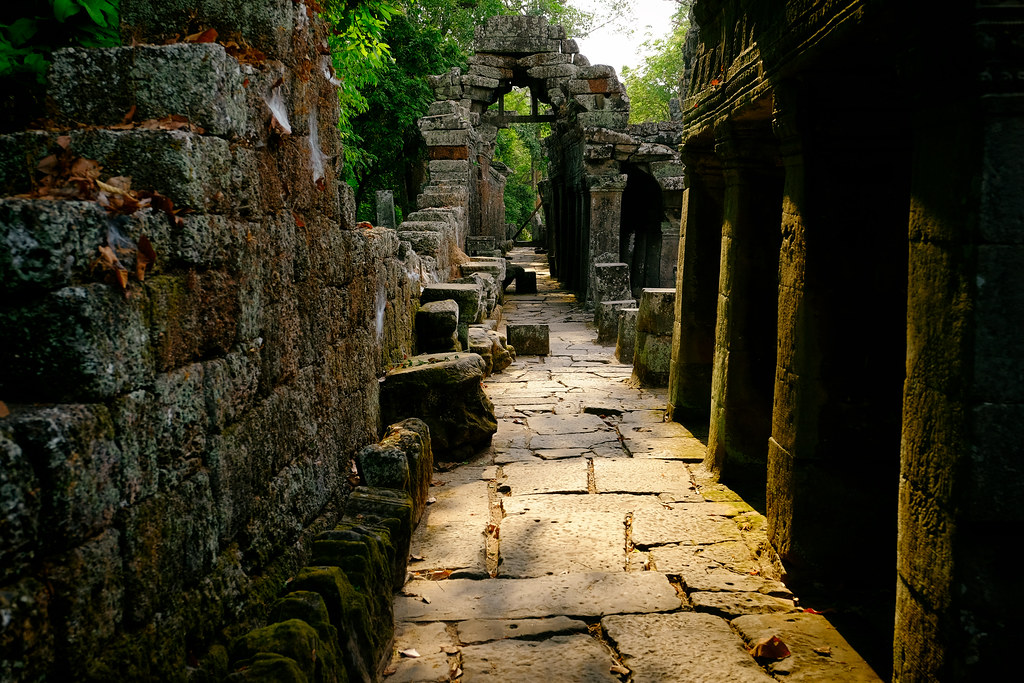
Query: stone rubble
x: 585, y: 544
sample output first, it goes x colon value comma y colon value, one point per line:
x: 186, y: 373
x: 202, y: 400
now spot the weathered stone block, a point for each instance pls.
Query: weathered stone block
x: 391, y: 509
x: 606, y: 318
x: 657, y: 310
x: 526, y: 282
x: 446, y: 393
x: 611, y: 282
x: 651, y: 358
x: 424, y: 243
x: 293, y: 639
x: 78, y: 342
x: 87, y: 582
x: 19, y: 509
x: 360, y: 645
x: 268, y: 26
x: 469, y: 297
x: 529, y: 340
x: 27, y: 636
x: 437, y: 320
x: 200, y: 81
x: 74, y: 446
x: 266, y: 667
x: 553, y: 71
x: 625, y: 343
x: 604, y: 119
x: 478, y: 244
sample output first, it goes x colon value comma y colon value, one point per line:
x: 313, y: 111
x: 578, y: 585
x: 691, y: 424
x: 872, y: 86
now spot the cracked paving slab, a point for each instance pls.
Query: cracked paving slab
x: 477, y: 631
x: 685, y: 646
x: 592, y: 594
x: 559, y: 476
x: 567, y: 659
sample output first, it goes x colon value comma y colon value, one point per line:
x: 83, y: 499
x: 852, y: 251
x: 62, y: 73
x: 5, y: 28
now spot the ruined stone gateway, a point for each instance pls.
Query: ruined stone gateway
x: 223, y: 400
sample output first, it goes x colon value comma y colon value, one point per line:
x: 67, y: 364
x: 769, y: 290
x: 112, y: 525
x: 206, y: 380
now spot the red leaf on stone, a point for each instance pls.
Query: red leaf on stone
x: 4, y: 410
x: 85, y: 168
x: 299, y: 223
x: 145, y: 257
x: 207, y: 36
x: 771, y: 647
x: 129, y: 116
x: 64, y: 141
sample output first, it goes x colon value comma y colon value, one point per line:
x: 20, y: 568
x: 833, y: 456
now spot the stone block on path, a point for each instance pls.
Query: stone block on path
x: 529, y: 340
x: 437, y: 325
x: 445, y: 392
x: 606, y: 318
x: 625, y: 343
x: 611, y: 282
x: 526, y: 282
x: 402, y: 460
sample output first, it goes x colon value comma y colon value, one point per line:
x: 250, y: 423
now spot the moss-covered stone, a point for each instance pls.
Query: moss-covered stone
x: 295, y: 639
x: 364, y: 649
x: 267, y: 667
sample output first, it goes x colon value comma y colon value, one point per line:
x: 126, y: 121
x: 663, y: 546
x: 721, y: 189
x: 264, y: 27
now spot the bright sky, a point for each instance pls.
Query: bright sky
x: 651, y: 18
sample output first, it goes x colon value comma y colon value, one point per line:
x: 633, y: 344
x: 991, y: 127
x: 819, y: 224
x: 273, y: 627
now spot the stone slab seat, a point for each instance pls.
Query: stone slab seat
x: 446, y: 392
x: 423, y: 226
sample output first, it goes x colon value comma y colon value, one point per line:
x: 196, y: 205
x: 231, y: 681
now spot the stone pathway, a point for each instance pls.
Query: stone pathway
x: 585, y: 545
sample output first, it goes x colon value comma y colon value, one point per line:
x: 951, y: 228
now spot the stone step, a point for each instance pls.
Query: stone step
x: 199, y: 81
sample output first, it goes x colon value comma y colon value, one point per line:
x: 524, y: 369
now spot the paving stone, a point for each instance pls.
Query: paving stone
x: 561, y: 453
x: 514, y: 455
x: 803, y: 633
x: 723, y: 580
x: 550, y: 477
x: 566, y: 659
x: 424, y: 638
x: 731, y: 605
x: 684, y: 646
x: 568, y: 424
x: 554, y: 505
x: 686, y: 449
x: 540, y: 544
x: 653, y: 430
x: 589, y: 440
x: 609, y: 450
x: 432, y: 667
x: 458, y: 500
x: 591, y: 594
x: 732, y: 555
x: 686, y: 524
x: 451, y: 545
x: 643, y: 417
x: 632, y: 475
x: 486, y: 630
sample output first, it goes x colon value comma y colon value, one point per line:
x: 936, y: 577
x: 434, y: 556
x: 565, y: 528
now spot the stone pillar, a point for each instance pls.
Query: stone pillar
x: 741, y: 392
x: 961, y: 484
x: 689, y: 395
x: 604, y: 220
x: 669, y: 253
x: 385, y: 209
x: 794, y: 424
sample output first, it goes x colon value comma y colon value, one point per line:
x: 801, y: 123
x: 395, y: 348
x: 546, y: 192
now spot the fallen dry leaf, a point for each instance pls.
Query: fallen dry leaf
x: 144, y: 257
x: 619, y: 669
x: 771, y: 647
x: 416, y: 558
x: 823, y: 651
x: 431, y: 500
x: 207, y: 36
x: 4, y: 410
x: 390, y: 671
x: 456, y: 673
x: 365, y: 225
x: 409, y: 653
x: 438, y: 575
x: 450, y: 650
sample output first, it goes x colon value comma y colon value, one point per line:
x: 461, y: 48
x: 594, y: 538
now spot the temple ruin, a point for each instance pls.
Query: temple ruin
x: 766, y: 364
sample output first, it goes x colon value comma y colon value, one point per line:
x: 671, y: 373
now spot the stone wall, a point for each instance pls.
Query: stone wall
x: 173, y: 443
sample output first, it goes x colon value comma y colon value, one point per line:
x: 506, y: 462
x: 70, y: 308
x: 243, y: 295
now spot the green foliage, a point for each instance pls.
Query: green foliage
x: 656, y: 81
x: 519, y: 148
x: 29, y: 35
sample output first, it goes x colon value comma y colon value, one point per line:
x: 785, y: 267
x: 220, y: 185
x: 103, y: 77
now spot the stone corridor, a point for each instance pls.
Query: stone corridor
x: 584, y: 544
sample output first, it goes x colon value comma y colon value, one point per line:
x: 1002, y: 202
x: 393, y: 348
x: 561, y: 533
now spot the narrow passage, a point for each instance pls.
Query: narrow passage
x: 585, y: 545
